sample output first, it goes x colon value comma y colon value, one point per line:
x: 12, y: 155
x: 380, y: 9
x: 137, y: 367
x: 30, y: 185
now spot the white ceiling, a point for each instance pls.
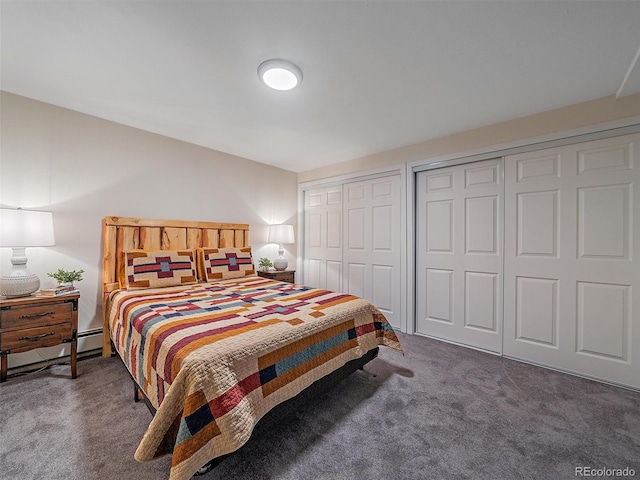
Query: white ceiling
x: 377, y: 74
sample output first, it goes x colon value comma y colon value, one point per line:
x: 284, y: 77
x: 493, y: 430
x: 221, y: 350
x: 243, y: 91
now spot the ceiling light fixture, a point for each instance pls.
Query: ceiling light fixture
x: 280, y: 74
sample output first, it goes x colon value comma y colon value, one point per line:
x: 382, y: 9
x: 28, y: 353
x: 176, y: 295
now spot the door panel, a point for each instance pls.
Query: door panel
x: 438, y: 301
x: 570, y: 258
x: 382, y: 277
x: 372, y: 243
x: 537, y: 301
x: 352, y: 241
x: 603, y: 221
x: 481, y: 217
x: 323, y: 238
x: 458, y: 273
x: 480, y: 302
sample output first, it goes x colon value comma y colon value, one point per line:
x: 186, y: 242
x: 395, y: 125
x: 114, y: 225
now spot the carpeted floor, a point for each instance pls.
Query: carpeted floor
x: 439, y: 412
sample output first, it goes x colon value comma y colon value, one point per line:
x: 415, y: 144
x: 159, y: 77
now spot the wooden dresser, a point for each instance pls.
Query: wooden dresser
x: 37, y: 321
x: 280, y: 275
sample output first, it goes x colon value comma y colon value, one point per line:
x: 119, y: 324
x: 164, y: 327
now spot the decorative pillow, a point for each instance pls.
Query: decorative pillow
x: 163, y: 268
x: 225, y: 263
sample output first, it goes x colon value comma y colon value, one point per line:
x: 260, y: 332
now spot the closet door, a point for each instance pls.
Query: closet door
x: 372, y: 248
x: 572, y: 278
x: 323, y: 238
x: 458, y: 267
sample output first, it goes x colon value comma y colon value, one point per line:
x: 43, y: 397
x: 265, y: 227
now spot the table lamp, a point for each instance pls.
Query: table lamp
x: 20, y: 229
x: 282, y: 235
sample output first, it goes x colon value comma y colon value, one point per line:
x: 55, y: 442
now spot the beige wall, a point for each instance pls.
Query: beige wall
x: 83, y: 168
x: 594, y: 112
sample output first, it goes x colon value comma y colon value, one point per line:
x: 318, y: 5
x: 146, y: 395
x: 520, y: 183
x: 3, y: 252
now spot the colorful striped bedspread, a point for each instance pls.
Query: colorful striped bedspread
x: 214, y: 358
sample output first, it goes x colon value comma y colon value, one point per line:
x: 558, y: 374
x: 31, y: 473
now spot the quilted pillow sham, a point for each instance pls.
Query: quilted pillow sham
x: 225, y: 263
x: 164, y: 268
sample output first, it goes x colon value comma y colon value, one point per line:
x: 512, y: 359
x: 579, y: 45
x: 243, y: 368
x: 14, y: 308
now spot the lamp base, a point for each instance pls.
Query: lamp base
x: 280, y: 264
x: 20, y: 282
x: 19, y: 285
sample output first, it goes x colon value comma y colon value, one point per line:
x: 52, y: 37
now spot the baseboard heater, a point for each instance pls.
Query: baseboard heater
x: 89, y: 333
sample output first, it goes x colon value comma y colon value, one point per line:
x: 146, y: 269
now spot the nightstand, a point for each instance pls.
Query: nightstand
x: 280, y: 275
x: 37, y: 321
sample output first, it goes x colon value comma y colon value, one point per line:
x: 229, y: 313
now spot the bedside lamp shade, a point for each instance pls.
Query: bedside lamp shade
x: 282, y: 235
x: 20, y: 229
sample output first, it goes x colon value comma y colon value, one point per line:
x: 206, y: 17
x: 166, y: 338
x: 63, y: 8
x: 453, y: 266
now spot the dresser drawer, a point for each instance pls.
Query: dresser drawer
x: 47, y: 336
x: 36, y: 315
x: 281, y: 276
x: 284, y: 277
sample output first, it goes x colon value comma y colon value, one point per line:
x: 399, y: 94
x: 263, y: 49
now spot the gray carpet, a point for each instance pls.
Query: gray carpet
x: 439, y: 412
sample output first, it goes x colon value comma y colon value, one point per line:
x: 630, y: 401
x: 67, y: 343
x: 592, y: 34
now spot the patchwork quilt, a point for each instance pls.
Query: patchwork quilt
x: 214, y: 358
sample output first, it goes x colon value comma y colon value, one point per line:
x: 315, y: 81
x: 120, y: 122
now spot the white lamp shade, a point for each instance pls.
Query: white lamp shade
x: 282, y: 234
x: 26, y: 228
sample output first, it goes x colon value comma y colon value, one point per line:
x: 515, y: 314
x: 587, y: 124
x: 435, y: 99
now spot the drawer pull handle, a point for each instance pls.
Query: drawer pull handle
x: 37, y: 315
x: 37, y: 337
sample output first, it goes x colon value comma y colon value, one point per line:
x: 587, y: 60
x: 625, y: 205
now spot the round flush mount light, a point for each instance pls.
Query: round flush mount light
x: 279, y: 74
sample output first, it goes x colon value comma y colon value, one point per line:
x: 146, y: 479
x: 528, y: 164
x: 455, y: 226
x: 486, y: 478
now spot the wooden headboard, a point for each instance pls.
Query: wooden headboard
x: 120, y: 234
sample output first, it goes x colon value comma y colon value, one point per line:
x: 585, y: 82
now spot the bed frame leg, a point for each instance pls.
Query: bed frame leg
x: 207, y: 467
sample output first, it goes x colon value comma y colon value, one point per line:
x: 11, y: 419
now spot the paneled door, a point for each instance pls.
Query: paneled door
x: 458, y: 265
x: 372, y: 244
x: 323, y: 238
x: 572, y: 278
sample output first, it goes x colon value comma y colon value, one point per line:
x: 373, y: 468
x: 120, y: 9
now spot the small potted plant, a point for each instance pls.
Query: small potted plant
x: 66, y: 277
x: 265, y: 264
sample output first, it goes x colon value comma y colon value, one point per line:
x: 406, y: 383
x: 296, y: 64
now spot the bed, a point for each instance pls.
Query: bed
x: 213, y: 347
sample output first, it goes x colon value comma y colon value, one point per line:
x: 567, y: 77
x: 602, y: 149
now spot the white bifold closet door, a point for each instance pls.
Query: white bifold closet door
x: 372, y: 249
x: 458, y: 266
x: 572, y: 242
x: 323, y: 238
x: 353, y: 242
